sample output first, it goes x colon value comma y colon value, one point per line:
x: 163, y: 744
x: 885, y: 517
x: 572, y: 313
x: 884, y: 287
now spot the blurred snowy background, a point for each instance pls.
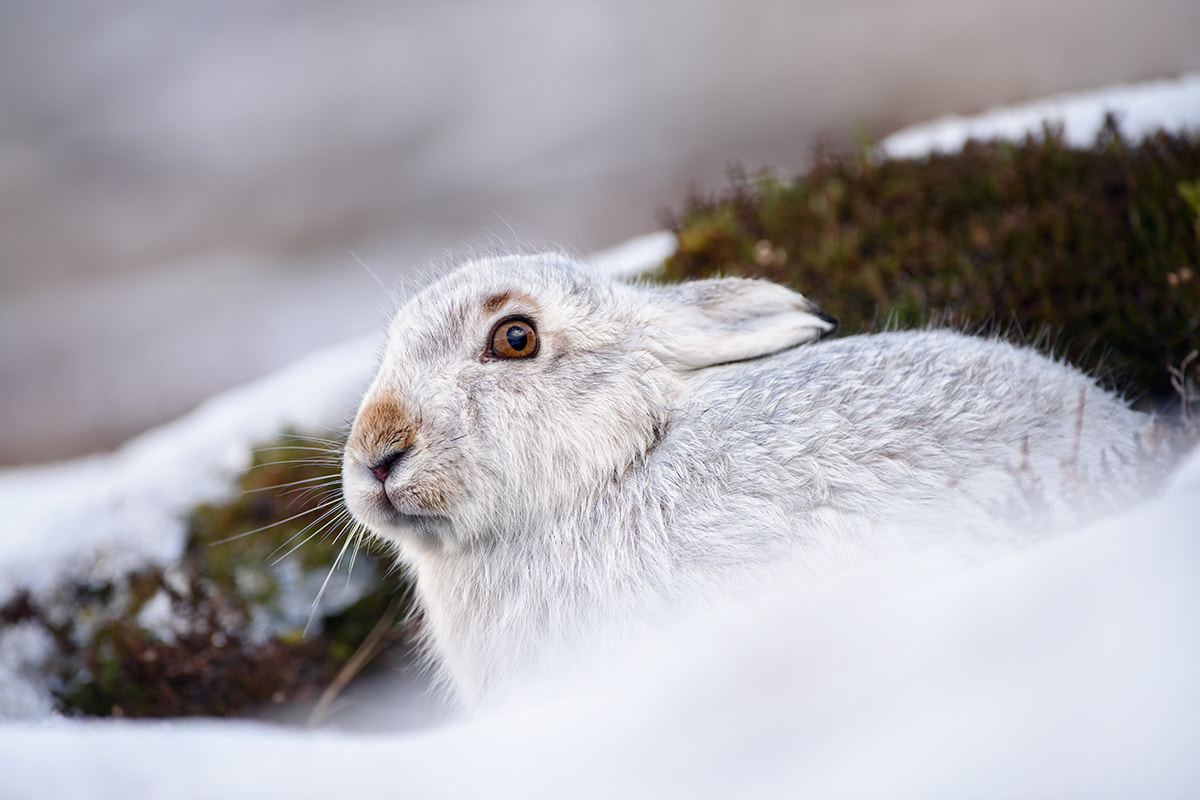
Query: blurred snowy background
x: 180, y: 182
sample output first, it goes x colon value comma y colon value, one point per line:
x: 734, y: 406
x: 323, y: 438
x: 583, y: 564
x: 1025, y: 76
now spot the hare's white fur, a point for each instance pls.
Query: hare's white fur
x: 667, y: 443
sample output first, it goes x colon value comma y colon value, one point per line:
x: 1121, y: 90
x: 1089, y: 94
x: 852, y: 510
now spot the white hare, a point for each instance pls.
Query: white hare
x: 552, y: 452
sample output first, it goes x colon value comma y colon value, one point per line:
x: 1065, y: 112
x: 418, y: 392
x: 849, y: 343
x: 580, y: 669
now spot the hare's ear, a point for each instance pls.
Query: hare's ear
x: 705, y: 323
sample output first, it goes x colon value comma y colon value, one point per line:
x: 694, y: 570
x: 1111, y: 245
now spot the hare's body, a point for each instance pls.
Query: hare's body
x: 659, y: 445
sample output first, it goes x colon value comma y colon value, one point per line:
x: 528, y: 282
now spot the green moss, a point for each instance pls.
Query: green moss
x: 1098, y: 247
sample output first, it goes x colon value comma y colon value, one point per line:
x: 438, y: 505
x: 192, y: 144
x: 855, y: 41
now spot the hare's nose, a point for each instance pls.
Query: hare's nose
x: 382, y: 468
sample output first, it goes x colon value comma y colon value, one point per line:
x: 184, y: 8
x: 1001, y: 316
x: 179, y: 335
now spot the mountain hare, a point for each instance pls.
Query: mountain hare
x: 553, y: 452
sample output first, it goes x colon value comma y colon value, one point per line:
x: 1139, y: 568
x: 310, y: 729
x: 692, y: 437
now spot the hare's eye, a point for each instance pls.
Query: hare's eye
x: 514, y: 337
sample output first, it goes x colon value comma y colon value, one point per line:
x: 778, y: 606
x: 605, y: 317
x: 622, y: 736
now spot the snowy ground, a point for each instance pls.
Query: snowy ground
x: 1141, y: 109
x: 1065, y: 670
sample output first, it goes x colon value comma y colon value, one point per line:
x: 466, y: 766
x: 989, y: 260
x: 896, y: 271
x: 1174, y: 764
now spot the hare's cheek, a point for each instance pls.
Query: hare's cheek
x: 433, y: 492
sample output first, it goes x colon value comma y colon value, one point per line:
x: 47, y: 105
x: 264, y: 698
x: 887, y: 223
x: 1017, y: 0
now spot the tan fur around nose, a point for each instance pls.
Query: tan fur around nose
x: 382, y: 427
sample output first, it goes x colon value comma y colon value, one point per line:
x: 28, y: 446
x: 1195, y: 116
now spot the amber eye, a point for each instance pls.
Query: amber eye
x: 514, y: 337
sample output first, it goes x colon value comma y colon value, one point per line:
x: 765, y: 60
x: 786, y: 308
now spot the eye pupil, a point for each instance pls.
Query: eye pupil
x: 517, y: 338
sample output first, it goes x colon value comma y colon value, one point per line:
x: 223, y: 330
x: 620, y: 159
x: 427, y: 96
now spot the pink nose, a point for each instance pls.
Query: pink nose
x: 383, y: 467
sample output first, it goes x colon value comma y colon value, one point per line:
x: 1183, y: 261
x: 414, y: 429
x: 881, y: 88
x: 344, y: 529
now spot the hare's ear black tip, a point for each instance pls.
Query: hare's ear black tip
x: 834, y: 323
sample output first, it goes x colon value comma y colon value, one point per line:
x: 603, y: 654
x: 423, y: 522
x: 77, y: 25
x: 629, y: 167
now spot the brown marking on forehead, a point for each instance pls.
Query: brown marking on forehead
x: 496, y: 302
x: 501, y: 299
x: 382, y: 426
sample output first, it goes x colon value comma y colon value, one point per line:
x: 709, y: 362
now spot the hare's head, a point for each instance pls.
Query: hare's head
x: 516, y: 388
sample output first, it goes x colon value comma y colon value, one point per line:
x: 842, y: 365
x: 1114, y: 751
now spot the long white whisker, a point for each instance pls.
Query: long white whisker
x: 309, y: 438
x: 269, y: 448
x: 320, y: 492
x: 327, y: 481
x: 312, y: 614
x: 356, y: 532
x: 325, y: 522
x: 310, y: 461
x: 276, y: 524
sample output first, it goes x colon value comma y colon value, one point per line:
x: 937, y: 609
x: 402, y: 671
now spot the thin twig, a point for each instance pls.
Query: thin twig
x: 362, y: 656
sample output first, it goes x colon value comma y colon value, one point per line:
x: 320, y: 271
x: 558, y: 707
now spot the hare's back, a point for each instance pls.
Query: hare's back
x: 933, y: 394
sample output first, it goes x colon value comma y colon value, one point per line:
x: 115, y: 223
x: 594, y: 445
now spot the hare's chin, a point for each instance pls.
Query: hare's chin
x: 399, y: 525
x: 377, y: 511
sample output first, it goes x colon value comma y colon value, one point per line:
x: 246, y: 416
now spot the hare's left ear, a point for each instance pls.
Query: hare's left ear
x: 705, y: 323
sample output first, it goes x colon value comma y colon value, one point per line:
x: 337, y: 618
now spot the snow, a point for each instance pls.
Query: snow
x: 1165, y: 104
x: 25, y: 650
x: 1064, y: 670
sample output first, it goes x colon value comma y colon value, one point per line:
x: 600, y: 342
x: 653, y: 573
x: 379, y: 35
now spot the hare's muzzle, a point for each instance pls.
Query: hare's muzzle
x: 382, y: 468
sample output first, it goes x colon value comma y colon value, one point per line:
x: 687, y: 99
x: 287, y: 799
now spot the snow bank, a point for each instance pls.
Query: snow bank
x: 1172, y: 105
